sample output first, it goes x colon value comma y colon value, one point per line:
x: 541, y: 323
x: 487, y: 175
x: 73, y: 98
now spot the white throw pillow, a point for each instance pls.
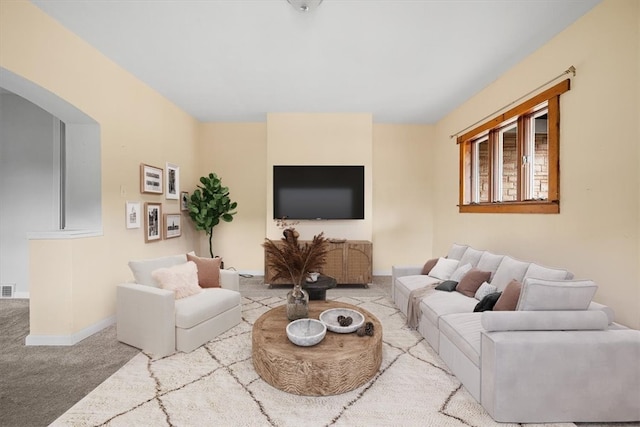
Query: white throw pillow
x: 444, y: 268
x: 460, y: 272
x: 182, y: 279
x: 484, y: 290
x: 539, y: 294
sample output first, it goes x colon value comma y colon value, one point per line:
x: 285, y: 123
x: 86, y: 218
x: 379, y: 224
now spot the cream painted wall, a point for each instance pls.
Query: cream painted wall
x: 321, y: 139
x: 596, y: 235
x: 402, y: 195
x: 236, y: 152
x: 73, y: 281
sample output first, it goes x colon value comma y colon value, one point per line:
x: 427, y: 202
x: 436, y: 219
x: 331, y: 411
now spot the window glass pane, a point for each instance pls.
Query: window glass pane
x: 540, y: 160
x: 483, y: 171
x: 509, y: 153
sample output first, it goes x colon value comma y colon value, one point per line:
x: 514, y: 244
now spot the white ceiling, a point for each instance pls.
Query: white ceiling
x: 404, y: 61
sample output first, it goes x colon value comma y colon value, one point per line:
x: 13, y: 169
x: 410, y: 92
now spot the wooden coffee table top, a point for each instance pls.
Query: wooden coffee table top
x: 339, y: 363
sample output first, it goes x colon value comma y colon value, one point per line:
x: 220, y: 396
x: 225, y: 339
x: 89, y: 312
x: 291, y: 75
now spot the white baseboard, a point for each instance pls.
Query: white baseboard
x: 64, y: 340
x: 21, y: 295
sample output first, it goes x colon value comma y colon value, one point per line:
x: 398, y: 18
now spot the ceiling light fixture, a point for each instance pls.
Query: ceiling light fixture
x: 304, y: 6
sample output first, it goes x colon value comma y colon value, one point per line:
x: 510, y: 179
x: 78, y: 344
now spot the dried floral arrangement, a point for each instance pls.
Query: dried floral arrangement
x: 294, y: 261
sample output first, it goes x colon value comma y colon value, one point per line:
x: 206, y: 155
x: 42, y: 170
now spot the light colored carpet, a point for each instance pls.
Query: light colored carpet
x: 217, y: 385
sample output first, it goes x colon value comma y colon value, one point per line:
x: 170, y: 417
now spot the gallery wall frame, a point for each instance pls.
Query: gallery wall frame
x: 184, y: 201
x: 172, y: 185
x: 152, y: 222
x: 172, y: 225
x: 151, y: 179
x: 132, y: 214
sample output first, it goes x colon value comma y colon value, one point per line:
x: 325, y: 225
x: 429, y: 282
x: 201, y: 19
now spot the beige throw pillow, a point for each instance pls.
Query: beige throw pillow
x: 208, y: 271
x: 471, y: 281
x: 181, y: 278
x: 509, y: 298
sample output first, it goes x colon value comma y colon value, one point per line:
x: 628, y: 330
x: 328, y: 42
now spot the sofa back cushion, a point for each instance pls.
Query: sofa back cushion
x: 457, y: 251
x: 539, y: 294
x: 471, y: 256
x: 508, y: 270
x: 489, y: 262
x: 142, y: 269
x: 541, y: 272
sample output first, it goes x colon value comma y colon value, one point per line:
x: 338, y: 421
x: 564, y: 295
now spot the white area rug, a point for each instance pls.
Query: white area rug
x: 216, y: 385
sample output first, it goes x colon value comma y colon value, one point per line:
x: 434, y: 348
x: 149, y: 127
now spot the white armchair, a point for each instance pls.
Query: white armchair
x: 151, y: 319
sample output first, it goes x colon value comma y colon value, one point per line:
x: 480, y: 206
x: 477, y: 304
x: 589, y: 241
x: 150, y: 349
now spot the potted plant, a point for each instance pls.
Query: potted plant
x: 294, y: 261
x: 209, y: 204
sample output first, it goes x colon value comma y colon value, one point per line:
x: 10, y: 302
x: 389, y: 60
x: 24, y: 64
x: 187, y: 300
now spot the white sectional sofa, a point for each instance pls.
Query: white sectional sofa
x: 557, y: 358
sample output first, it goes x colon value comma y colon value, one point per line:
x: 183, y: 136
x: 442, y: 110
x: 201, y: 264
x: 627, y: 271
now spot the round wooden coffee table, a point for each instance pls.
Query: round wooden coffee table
x: 339, y: 363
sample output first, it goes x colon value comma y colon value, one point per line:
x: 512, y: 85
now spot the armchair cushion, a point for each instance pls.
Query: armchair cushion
x: 208, y: 270
x: 198, y: 308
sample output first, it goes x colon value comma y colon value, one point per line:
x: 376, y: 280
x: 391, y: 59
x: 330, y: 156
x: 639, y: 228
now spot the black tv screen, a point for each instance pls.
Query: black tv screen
x: 318, y: 192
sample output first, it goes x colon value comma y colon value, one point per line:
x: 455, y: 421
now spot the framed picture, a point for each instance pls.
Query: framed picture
x: 150, y: 179
x: 132, y: 214
x: 172, y: 226
x: 173, y: 182
x: 184, y: 201
x: 152, y: 222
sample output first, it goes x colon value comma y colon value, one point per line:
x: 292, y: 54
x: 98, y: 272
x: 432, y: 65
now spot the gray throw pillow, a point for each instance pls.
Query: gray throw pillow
x: 447, y: 285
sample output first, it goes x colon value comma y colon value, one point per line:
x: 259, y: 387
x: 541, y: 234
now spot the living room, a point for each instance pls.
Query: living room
x: 407, y: 226
x: 412, y: 169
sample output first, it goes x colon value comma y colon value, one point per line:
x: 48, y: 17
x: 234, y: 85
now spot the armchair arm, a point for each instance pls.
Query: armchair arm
x: 146, y: 318
x: 230, y: 279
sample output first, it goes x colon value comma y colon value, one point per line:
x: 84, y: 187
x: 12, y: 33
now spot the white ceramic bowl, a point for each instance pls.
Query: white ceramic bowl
x: 306, y: 332
x: 330, y: 318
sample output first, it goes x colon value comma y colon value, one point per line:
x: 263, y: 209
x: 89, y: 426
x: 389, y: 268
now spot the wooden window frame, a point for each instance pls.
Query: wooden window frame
x: 551, y: 205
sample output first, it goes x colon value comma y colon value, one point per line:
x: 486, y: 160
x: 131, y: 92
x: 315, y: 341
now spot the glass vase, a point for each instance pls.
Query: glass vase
x: 297, y: 303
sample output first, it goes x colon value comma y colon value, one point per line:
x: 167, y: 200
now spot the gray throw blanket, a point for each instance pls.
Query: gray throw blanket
x: 413, y: 308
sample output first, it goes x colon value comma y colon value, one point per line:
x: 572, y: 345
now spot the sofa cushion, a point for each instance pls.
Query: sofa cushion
x: 508, y: 301
x: 457, y: 275
x: 464, y: 330
x: 447, y: 285
x: 471, y: 281
x: 484, y: 290
x: 508, y: 270
x: 538, y: 294
x: 406, y: 284
x: 444, y: 268
x: 208, y: 271
x: 209, y: 303
x: 541, y: 272
x: 471, y: 256
x: 456, y: 251
x: 438, y: 304
x: 429, y: 265
x: 181, y: 279
x: 142, y: 269
x: 489, y: 262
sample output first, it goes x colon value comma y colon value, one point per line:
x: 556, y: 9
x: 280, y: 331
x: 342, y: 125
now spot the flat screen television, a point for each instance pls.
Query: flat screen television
x: 318, y: 192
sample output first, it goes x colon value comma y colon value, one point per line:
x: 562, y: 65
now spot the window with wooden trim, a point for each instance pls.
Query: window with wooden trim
x: 511, y: 163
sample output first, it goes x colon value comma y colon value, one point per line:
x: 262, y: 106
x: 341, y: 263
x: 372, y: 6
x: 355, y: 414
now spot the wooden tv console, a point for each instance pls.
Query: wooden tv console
x: 348, y: 261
